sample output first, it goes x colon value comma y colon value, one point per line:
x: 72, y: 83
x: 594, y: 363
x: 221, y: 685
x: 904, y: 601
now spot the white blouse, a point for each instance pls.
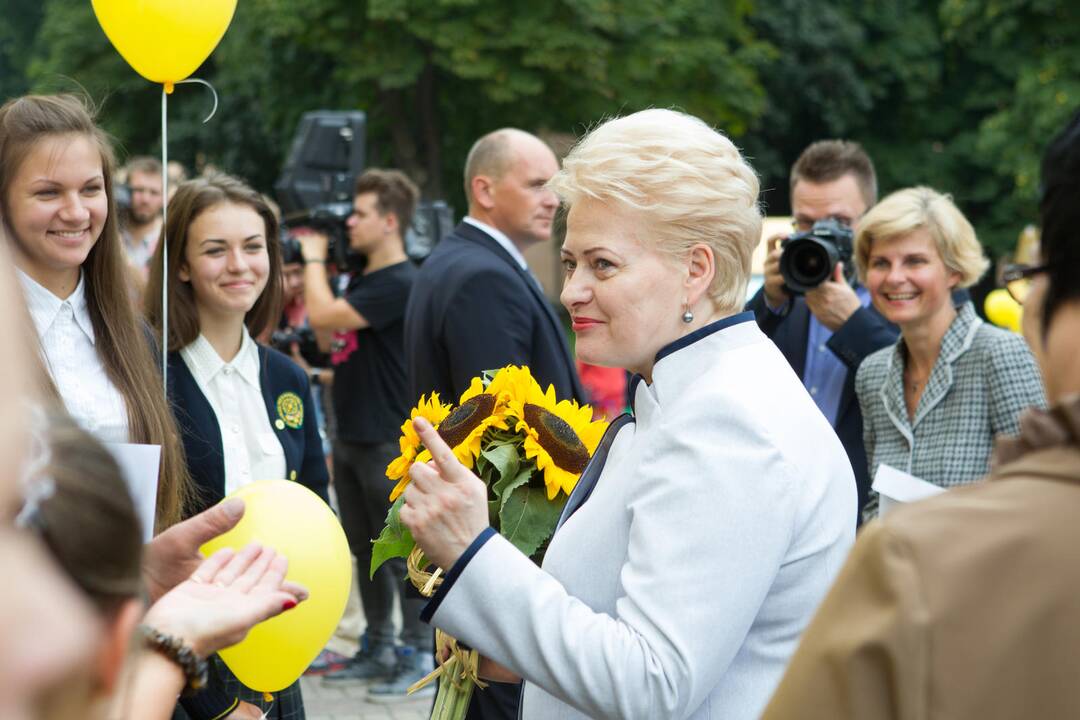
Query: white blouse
x: 68, y: 350
x: 252, y: 449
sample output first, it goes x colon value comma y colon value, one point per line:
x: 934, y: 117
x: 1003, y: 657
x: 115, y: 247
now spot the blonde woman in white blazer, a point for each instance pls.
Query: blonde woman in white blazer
x: 709, y: 525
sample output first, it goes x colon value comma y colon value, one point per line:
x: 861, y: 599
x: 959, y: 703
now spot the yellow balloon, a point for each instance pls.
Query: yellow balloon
x: 164, y: 40
x: 297, y: 523
x: 1002, y: 310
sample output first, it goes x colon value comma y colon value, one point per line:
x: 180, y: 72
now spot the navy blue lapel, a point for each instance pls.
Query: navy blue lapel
x: 270, y: 382
x: 592, y: 471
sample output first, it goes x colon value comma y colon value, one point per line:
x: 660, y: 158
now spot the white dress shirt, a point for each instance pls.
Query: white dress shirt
x: 251, y: 447
x: 501, y: 238
x: 67, y: 347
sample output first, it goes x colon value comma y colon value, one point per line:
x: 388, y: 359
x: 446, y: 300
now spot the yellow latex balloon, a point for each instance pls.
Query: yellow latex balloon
x: 1002, y: 310
x: 164, y: 40
x: 297, y: 523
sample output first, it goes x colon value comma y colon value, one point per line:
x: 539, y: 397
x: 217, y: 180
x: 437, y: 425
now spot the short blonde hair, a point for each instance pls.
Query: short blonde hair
x: 911, y: 209
x: 687, y: 180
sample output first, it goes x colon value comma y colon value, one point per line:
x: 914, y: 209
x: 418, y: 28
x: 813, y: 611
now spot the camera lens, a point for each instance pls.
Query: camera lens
x: 806, y: 263
x: 809, y: 263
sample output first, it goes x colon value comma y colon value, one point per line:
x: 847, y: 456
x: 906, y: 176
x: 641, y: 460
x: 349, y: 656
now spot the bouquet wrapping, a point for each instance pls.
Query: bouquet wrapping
x: 529, y: 448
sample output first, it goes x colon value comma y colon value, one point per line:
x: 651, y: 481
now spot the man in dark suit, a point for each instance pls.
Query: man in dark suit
x: 827, y: 332
x: 475, y: 306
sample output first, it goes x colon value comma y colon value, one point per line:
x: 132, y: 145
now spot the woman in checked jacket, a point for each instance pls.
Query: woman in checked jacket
x: 933, y: 402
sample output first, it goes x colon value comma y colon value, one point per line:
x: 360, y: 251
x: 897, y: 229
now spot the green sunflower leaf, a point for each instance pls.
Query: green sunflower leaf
x: 394, y: 541
x: 528, y: 518
x: 505, y: 458
x: 505, y: 486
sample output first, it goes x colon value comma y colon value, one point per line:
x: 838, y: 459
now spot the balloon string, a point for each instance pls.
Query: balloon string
x: 213, y: 93
x: 164, y: 243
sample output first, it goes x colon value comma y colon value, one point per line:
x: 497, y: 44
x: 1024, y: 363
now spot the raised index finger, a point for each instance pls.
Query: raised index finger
x: 448, y: 465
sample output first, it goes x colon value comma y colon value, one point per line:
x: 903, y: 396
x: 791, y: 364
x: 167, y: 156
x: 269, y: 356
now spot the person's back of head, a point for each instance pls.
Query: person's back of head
x: 87, y: 520
x: 506, y: 174
x: 1059, y: 210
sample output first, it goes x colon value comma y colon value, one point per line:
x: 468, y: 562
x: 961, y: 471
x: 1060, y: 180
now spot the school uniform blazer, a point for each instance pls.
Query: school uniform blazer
x: 690, y: 556
x: 865, y: 332
x: 201, y: 434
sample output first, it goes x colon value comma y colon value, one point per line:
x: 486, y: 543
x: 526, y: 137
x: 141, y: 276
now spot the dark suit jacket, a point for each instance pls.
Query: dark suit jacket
x: 864, y: 333
x: 473, y: 308
x: 201, y: 435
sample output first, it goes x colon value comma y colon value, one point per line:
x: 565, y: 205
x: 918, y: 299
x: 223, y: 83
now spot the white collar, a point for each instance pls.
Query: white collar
x: 681, y: 363
x: 501, y: 238
x: 205, y: 363
x: 44, y: 306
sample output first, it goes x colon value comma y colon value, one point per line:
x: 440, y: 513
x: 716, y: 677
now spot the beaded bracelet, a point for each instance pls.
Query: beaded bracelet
x: 195, y: 668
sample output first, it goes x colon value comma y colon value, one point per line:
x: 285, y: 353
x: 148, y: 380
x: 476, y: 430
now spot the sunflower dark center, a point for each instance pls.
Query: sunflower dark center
x: 465, y: 418
x: 557, y: 437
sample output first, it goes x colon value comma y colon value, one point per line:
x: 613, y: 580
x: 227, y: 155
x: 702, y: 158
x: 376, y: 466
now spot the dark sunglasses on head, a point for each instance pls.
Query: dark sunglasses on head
x: 1017, y: 279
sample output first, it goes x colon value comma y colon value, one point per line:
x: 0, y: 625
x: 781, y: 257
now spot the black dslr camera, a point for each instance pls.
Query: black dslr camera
x: 808, y: 258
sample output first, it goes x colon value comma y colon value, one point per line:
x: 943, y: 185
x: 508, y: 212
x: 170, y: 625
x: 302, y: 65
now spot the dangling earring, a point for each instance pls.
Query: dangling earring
x: 687, y: 317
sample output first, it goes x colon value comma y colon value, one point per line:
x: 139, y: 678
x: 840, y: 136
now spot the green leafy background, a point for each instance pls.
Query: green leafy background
x: 959, y: 94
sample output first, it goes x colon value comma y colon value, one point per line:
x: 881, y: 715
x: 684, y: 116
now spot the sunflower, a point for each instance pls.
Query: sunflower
x: 412, y: 450
x: 478, y: 409
x: 560, y: 436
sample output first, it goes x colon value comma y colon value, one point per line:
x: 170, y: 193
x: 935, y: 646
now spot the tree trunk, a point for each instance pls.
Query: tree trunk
x: 428, y: 117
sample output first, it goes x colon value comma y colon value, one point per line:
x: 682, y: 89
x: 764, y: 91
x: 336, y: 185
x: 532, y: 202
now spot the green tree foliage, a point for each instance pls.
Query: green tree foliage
x: 958, y: 94
x: 961, y: 95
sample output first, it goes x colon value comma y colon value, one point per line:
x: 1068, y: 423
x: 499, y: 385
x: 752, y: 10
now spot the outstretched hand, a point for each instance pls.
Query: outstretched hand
x: 171, y: 557
x: 224, y: 598
x: 445, y: 503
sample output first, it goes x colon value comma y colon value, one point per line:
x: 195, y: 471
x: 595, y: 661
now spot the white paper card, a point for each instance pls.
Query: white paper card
x: 139, y: 465
x: 896, y: 487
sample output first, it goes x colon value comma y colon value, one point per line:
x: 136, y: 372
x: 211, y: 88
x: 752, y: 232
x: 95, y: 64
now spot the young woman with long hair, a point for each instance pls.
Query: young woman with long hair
x: 244, y: 410
x: 58, y: 209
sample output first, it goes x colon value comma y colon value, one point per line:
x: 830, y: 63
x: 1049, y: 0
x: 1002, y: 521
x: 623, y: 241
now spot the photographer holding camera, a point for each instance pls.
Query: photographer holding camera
x: 818, y: 315
x: 369, y: 400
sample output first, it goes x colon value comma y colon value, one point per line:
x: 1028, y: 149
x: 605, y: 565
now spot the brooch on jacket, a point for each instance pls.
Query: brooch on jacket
x: 290, y: 410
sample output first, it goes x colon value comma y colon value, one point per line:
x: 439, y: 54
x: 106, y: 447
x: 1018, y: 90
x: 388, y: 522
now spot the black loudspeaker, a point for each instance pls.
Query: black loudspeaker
x: 326, y: 157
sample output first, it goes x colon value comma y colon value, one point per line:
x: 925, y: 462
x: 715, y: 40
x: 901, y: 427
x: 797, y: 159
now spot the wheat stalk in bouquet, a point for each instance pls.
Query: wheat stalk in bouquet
x: 529, y: 448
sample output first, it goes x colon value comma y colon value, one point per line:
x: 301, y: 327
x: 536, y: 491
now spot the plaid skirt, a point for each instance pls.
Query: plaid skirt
x: 288, y: 704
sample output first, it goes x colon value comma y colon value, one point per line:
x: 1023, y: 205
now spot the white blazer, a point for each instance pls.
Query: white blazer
x: 709, y: 536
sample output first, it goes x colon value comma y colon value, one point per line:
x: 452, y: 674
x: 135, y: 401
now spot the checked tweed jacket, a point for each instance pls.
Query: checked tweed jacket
x: 983, y: 379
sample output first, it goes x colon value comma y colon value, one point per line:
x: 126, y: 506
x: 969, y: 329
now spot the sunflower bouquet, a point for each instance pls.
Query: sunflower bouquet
x: 529, y: 448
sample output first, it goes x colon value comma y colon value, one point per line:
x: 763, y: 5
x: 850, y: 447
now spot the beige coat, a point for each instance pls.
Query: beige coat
x: 964, y: 606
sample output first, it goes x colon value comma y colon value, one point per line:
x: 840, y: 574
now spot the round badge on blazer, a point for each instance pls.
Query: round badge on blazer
x: 279, y: 424
x: 290, y: 409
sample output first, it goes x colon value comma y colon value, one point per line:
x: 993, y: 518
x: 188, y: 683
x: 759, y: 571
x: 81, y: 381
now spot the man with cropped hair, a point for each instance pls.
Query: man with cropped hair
x: 142, y: 221
x: 476, y: 306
